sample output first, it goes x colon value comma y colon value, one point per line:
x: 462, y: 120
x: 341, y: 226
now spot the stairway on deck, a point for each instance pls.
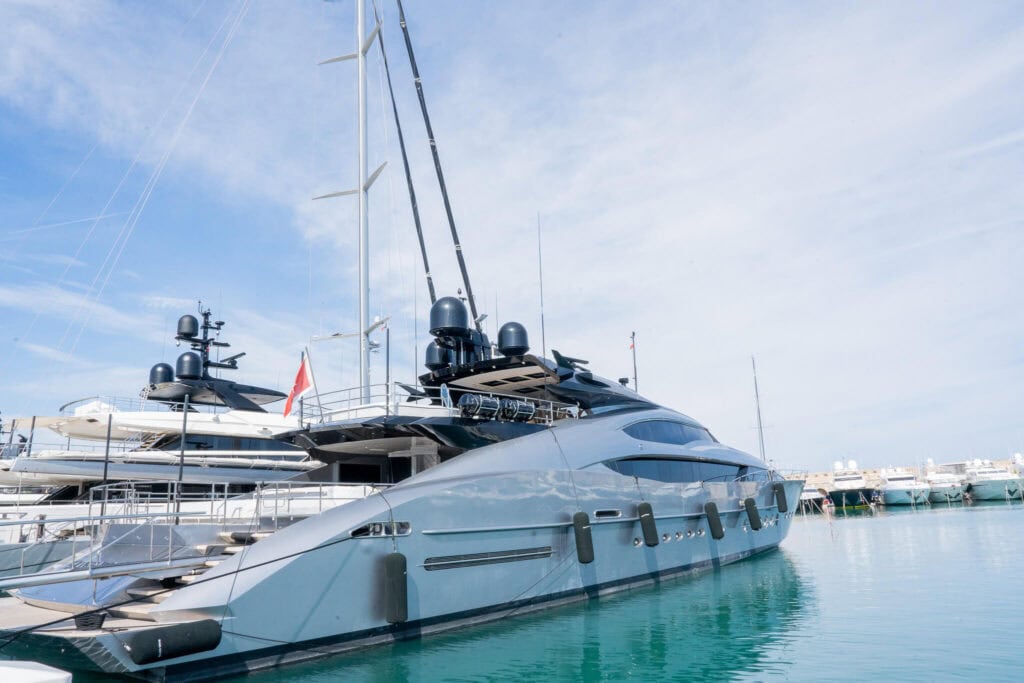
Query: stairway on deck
x: 153, y: 592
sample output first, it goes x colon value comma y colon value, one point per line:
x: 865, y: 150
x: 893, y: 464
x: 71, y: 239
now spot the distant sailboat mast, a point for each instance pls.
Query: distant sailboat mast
x: 540, y: 272
x: 757, y: 402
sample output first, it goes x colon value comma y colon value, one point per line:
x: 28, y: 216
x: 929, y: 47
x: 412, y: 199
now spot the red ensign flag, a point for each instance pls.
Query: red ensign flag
x: 303, y: 385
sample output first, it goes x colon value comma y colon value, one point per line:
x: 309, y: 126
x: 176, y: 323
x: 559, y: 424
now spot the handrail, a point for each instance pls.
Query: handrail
x: 333, y: 405
x: 96, y: 518
x: 45, y: 578
x: 113, y: 403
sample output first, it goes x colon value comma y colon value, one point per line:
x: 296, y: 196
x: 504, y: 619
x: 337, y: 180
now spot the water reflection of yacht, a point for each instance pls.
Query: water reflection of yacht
x: 900, y: 487
x: 715, y: 627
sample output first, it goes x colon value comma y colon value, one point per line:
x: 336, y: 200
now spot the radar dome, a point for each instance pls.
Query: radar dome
x: 188, y: 326
x: 448, y: 318
x: 436, y: 357
x: 851, y: 464
x: 190, y: 366
x: 512, y: 340
x: 161, y: 373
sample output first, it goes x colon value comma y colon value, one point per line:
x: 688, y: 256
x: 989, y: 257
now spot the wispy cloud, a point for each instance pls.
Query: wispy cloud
x: 50, y: 353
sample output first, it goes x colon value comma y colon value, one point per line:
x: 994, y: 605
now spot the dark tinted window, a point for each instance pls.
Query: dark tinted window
x: 755, y: 474
x: 667, y: 431
x: 672, y: 470
x: 208, y: 442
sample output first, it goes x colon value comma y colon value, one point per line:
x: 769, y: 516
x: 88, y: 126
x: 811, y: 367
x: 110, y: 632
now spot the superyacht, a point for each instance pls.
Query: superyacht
x: 901, y: 487
x: 541, y: 483
x: 499, y: 483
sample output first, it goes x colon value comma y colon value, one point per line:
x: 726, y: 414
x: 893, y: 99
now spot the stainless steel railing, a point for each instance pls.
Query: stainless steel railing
x: 390, y: 399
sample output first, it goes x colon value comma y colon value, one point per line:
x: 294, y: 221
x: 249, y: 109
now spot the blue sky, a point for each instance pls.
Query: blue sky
x: 834, y: 188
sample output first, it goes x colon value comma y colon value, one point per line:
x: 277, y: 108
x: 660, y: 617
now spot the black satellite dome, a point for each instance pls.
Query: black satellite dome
x: 161, y: 373
x: 190, y: 365
x: 448, y: 318
x: 512, y: 340
x: 436, y: 357
x: 188, y: 326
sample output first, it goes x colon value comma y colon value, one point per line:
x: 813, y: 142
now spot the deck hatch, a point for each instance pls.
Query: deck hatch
x: 478, y: 559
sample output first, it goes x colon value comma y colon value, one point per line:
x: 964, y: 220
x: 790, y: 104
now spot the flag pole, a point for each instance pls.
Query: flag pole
x: 632, y: 347
x: 312, y: 378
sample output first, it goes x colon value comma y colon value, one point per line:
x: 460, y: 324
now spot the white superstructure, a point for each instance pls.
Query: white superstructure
x: 901, y: 487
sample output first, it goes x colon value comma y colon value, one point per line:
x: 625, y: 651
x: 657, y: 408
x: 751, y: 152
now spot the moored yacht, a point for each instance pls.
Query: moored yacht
x: 551, y: 484
x: 501, y: 483
x: 165, y: 435
x: 849, y: 488
x: 986, y: 481
x: 944, y: 485
x: 165, y: 446
x: 901, y: 487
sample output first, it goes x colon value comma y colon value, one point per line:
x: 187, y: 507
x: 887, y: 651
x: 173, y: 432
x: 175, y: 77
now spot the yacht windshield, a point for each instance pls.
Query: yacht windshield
x: 679, y: 470
x: 668, y: 431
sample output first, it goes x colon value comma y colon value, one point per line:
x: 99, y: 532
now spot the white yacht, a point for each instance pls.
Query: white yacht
x: 901, y: 487
x: 986, y: 481
x: 944, y: 483
x: 849, y: 488
x: 229, y: 441
x: 165, y: 446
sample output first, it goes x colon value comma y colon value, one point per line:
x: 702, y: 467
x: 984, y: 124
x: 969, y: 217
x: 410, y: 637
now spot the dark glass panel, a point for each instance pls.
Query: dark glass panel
x: 667, y: 431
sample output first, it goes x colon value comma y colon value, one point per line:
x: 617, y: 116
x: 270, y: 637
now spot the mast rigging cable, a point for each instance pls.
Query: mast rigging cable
x: 437, y: 167
x: 405, y: 164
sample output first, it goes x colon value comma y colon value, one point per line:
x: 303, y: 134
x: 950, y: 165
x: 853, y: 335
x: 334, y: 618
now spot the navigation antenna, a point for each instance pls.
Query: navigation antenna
x: 188, y: 333
x: 757, y: 402
x: 632, y: 347
x: 540, y: 270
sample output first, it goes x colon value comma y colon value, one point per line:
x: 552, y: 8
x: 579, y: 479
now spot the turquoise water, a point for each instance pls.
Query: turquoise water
x: 915, y: 595
x: 931, y: 594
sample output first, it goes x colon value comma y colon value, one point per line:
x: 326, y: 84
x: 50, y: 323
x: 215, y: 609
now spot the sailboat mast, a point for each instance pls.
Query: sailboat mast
x: 364, y: 224
x: 757, y: 402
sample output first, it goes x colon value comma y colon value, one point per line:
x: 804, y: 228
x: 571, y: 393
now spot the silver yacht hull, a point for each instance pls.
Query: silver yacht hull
x: 487, y: 535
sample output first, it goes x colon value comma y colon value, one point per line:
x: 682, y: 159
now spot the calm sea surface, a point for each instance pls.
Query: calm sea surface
x: 931, y: 594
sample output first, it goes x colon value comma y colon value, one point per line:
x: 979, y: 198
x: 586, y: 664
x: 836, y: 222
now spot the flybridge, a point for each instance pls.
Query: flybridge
x: 190, y: 380
x: 461, y: 359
